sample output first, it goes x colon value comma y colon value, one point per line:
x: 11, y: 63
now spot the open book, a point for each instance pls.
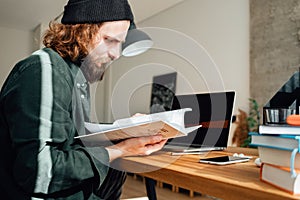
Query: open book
x: 169, y: 124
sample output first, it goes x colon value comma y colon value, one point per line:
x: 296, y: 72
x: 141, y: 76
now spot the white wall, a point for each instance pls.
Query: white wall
x: 15, y: 45
x: 221, y: 27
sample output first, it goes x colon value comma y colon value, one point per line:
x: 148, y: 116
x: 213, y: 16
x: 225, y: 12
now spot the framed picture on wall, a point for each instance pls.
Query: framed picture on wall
x: 163, y: 91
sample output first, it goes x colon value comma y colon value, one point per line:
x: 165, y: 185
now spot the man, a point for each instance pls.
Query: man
x: 45, y: 101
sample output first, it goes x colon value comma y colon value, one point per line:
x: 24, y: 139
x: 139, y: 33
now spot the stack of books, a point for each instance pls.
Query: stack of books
x: 279, y: 151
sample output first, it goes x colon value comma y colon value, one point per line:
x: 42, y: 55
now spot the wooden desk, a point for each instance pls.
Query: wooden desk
x: 236, y: 181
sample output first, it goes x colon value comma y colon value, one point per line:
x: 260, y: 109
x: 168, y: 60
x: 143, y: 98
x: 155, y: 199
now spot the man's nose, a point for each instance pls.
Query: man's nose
x: 115, y: 52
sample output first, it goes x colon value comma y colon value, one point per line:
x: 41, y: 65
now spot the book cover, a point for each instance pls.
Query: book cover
x: 169, y: 124
x: 285, y: 142
x: 281, y: 178
x: 278, y: 157
x: 279, y: 129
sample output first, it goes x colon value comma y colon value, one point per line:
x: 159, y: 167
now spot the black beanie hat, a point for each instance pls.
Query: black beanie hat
x: 96, y: 11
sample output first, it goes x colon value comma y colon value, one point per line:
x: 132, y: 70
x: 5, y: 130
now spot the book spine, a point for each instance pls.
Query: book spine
x: 271, y: 182
x: 293, y: 157
x: 279, y: 130
x: 279, y: 187
x: 298, y: 138
x: 270, y: 146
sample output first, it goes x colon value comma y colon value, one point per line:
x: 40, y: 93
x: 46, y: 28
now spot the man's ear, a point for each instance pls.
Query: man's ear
x: 97, y: 38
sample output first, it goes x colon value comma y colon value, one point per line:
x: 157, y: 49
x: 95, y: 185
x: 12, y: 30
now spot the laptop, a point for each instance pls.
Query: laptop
x: 214, y: 112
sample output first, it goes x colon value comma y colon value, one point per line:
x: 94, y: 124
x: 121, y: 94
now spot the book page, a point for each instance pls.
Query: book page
x: 169, y: 124
x: 149, y: 129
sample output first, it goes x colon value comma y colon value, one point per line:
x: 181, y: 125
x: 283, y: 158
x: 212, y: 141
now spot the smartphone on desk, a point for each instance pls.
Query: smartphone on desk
x: 224, y: 160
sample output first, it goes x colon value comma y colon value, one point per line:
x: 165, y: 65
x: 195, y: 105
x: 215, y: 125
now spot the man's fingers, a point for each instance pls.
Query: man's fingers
x: 151, y: 139
x: 155, y: 147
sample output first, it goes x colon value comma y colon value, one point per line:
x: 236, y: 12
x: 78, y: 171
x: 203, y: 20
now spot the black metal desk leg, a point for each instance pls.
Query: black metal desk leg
x: 150, y: 187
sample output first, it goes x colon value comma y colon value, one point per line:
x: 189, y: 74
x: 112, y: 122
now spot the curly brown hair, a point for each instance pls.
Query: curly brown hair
x: 70, y: 41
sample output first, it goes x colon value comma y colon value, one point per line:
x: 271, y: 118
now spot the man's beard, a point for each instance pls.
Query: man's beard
x: 93, y: 70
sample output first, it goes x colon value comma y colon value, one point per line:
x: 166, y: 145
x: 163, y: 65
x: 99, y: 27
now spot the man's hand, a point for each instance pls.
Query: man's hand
x: 136, y: 147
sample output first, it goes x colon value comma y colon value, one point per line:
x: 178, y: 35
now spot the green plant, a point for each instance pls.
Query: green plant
x: 253, y: 120
x: 254, y: 116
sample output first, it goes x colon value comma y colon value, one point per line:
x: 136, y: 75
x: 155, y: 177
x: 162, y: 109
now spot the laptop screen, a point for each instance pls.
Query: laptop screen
x: 213, y: 111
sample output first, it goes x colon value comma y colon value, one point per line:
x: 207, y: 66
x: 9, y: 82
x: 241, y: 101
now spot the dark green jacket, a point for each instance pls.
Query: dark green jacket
x: 43, y: 105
